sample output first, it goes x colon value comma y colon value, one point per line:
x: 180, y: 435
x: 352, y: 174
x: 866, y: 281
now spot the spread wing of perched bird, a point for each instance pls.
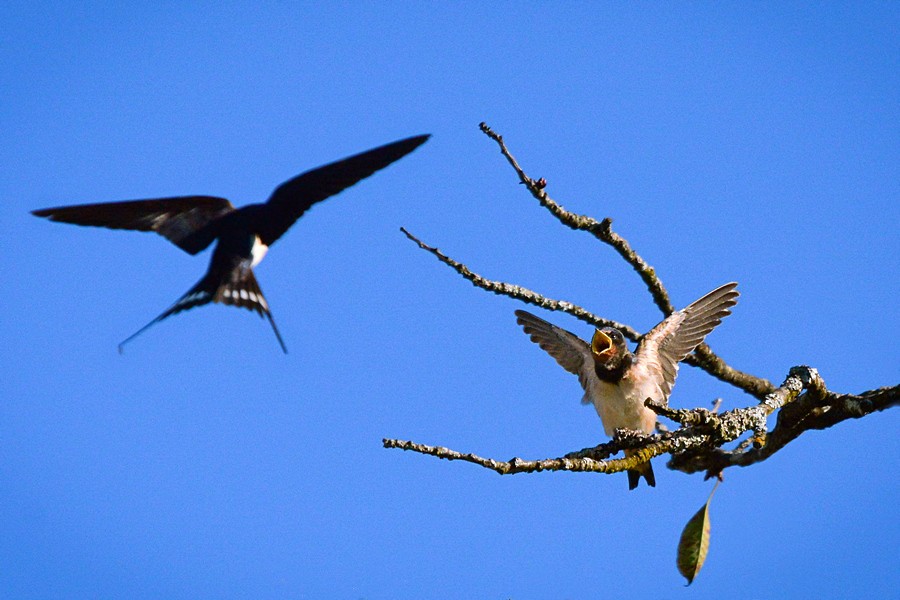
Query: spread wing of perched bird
x: 618, y: 382
x: 243, y: 234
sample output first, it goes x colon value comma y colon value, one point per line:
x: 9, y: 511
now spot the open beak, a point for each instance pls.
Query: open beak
x: 602, y: 346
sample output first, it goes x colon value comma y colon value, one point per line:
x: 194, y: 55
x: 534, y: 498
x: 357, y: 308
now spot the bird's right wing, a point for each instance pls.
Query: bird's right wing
x: 571, y: 352
x: 295, y: 196
x: 181, y: 220
x: 664, y: 346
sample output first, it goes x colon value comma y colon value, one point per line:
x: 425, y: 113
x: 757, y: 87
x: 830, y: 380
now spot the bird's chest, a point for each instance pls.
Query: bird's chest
x: 244, y: 244
x: 257, y: 251
x: 621, y: 404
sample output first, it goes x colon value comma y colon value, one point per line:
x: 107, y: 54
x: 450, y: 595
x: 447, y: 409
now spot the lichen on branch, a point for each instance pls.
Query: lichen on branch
x: 802, y: 402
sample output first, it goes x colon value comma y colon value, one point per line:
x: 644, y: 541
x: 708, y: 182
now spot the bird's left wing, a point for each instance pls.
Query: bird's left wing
x: 669, y: 342
x: 571, y: 352
x: 294, y: 197
x: 182, y: 220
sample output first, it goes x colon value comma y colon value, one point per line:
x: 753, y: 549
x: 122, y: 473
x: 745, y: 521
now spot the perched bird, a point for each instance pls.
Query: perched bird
x: 244, y: 234
x: 618, y: 382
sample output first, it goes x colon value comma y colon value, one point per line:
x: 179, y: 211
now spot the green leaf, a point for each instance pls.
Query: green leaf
x: 694, y: 542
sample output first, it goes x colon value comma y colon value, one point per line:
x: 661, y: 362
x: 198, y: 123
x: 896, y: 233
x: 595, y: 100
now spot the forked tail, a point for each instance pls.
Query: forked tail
x: 237, y: 287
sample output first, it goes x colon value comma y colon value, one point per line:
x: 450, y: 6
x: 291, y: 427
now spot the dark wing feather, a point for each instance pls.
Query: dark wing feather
x: 571, y: 352
x: 294, y: 197
x: 181, y: 220
x: 669, y: 342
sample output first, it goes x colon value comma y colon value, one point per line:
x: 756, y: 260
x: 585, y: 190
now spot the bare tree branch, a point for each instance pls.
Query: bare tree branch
x: 702, y: 357
x: 708, y: 361
x: 803, y: 401
x: 602, y: 230
x: 524, y: 294
x: 593, y: 460
x: 815, y: 409
x: 696, y: 445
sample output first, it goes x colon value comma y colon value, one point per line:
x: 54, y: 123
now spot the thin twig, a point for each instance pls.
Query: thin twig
x: 702, y: 356
x: 714, y: 366
x: 589, y: 460
x: 523, y: 294
x: 602, y: 230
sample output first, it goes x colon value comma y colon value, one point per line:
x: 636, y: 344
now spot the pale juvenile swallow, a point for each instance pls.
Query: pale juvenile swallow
x: 618, y: 382
x: 244, y: 234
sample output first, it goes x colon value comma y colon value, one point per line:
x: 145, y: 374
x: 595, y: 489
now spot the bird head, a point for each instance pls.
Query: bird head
x: 609, y: 348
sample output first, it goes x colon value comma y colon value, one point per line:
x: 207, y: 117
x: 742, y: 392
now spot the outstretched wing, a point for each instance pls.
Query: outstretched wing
x: 571, y: 352
x: 294, y: 197
x: 669, y: 342
x: 181, y: 220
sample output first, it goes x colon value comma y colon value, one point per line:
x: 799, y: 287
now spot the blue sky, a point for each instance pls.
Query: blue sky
x: 748, y: 142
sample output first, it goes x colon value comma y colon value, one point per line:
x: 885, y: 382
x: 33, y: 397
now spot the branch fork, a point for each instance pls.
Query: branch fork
x: 803, y: 401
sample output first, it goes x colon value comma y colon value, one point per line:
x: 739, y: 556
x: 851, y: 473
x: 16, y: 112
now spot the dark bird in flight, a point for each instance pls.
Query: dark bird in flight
x: 244, y: 234
x: 618, y: 382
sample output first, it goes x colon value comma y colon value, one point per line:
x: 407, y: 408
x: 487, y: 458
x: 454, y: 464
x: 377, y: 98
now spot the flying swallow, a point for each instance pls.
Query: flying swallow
x: 618, y: 382
x: 244, y: 234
